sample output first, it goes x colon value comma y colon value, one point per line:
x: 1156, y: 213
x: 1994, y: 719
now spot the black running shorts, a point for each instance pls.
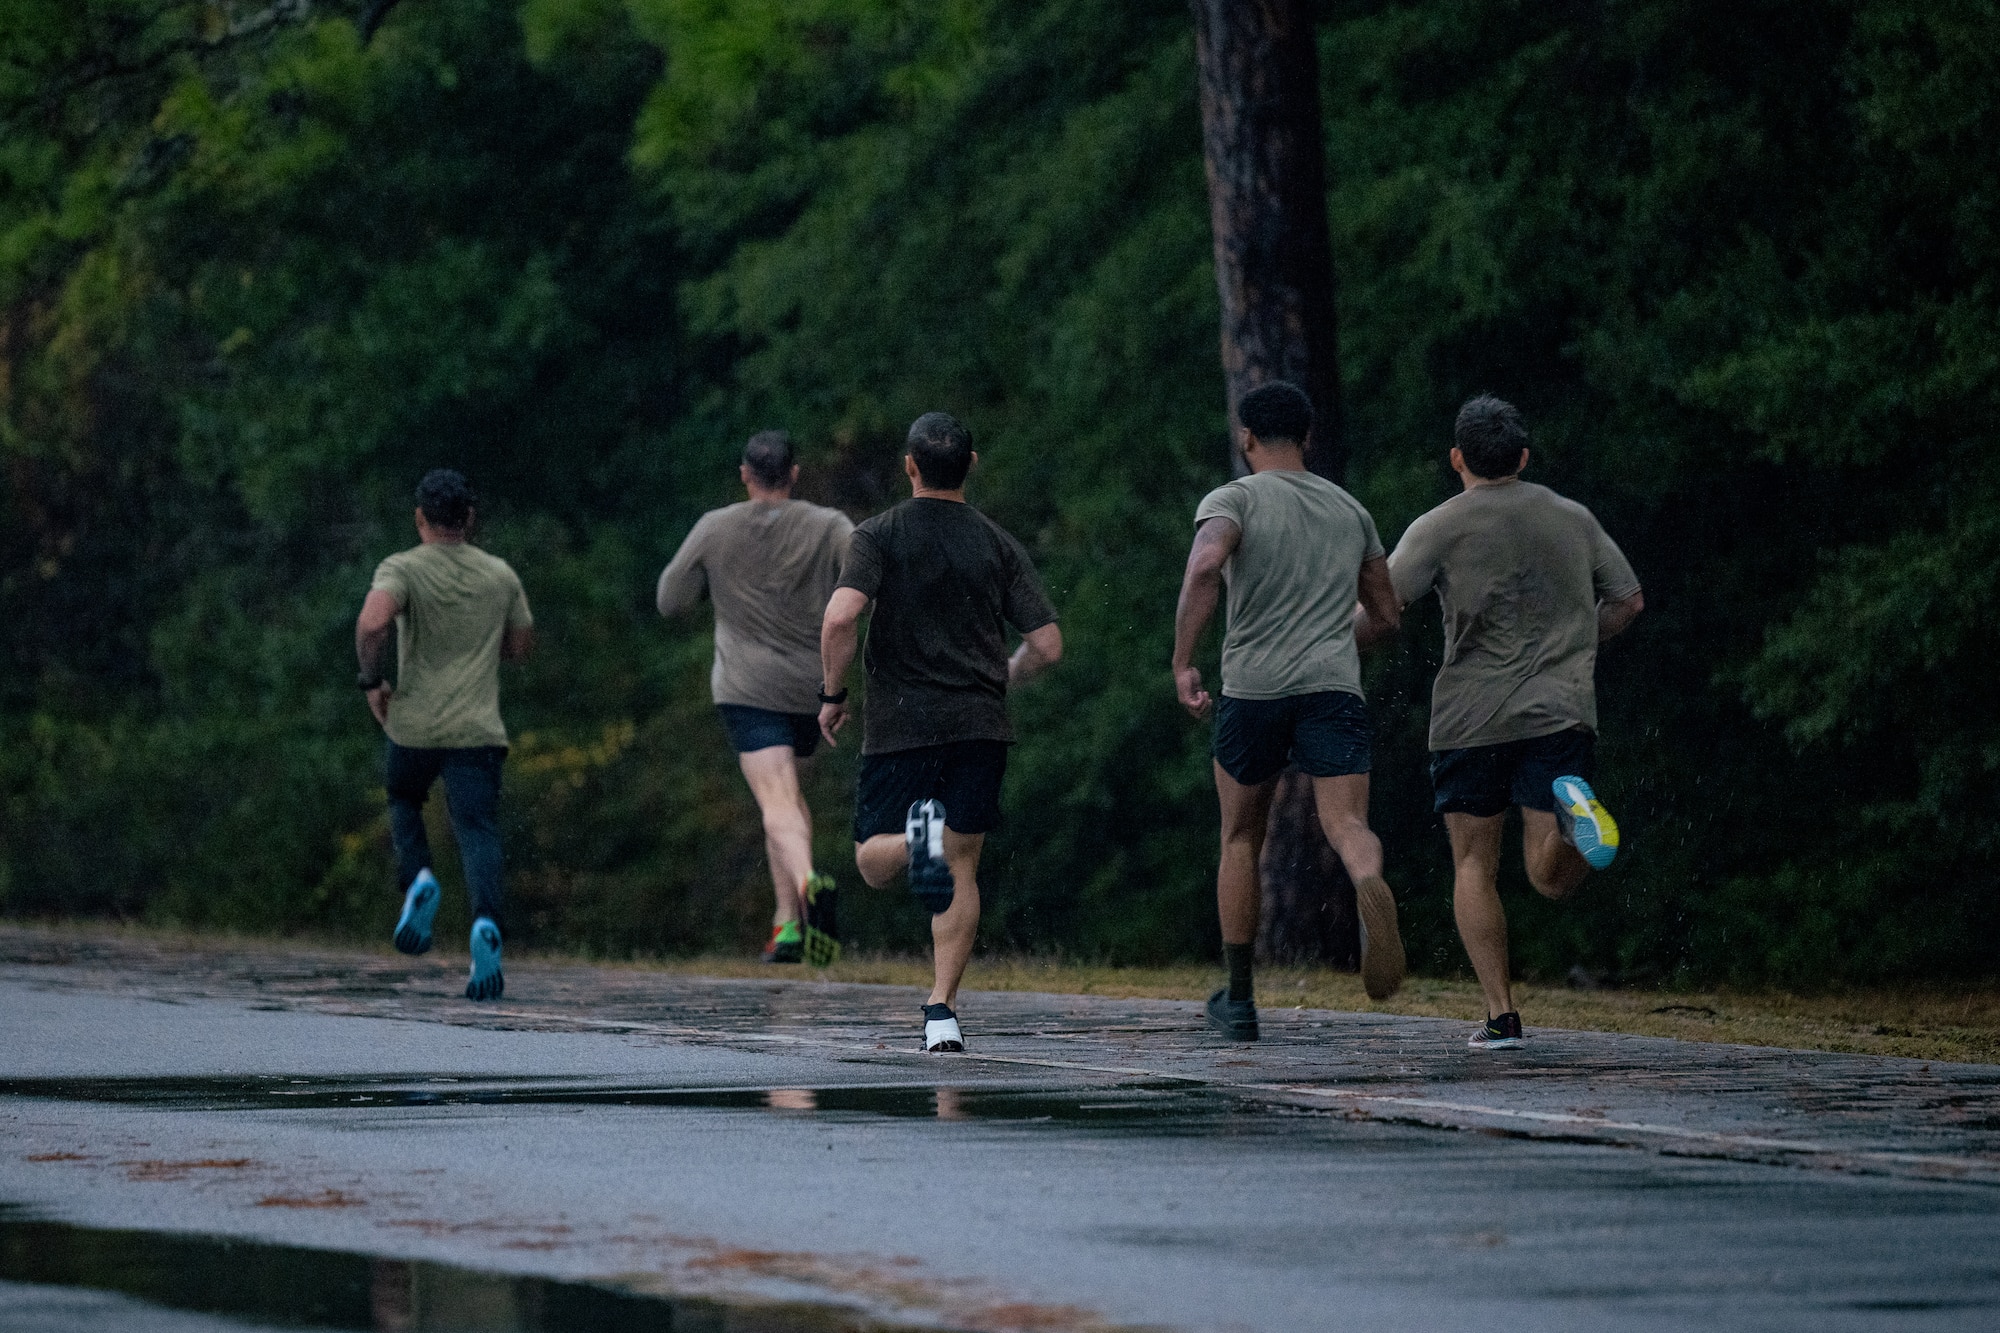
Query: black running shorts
x: 761, y: 728
x: 964, y: 775
x: 1485, y: 779
x: 1328, y: 735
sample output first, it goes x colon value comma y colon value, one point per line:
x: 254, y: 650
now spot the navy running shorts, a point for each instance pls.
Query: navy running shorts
x: 761, y: 728
x: 1484, y: 780
x: 1328, y: 735
x: 964, y: 775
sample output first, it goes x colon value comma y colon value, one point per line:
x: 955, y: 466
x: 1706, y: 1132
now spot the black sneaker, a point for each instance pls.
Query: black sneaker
x: 930, y: 877
x: 1234, y: 1019
x: 1499, y: 1034
x: 821, y: 898
x: 941, y: 1034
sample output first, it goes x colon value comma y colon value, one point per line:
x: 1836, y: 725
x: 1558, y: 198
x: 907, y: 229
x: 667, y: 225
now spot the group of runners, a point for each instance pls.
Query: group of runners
x: 1528, y: 583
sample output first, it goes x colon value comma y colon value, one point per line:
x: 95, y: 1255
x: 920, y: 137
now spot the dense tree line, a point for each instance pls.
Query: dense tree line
x: 262, y: 264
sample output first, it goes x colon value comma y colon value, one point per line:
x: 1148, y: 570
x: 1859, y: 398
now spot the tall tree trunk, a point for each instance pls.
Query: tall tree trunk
x: 1266, y: 160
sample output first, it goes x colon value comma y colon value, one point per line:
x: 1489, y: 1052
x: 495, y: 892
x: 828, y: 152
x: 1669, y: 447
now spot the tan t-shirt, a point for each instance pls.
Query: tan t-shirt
x: 1519, y: 572
x: 1292, y: 582
x: 457, y: 602
x: 769, y: 569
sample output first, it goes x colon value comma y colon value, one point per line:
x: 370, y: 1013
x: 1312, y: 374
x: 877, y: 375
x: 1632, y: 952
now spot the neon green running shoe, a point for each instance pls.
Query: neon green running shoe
x: 822, y: 933
x: 787, y: 943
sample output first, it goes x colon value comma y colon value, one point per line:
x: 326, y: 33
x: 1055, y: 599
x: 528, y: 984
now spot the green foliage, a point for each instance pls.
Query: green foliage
x: 259, y: 269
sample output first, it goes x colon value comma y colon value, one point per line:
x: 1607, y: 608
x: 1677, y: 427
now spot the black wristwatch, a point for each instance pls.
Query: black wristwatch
x: 826, y: 698
x: 368, y: 682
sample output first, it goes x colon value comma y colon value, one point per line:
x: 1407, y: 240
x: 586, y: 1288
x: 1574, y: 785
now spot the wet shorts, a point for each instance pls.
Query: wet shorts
x: 1485, y: 779
x: 761, y: 728
x: 1328, y: 735
x: 964, y: 775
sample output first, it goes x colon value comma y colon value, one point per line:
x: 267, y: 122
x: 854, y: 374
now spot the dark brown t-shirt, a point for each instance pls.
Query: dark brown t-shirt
x: 946, y: 581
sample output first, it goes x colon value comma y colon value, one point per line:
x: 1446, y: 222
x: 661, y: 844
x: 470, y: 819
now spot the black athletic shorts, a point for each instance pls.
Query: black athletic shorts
x: 1486, y: 779
x: 761, y: 728
x: 964, y: 775
x: 1328, y: 735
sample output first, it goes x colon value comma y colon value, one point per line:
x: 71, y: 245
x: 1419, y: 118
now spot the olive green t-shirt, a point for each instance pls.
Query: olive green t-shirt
x: 1292, y: 584
x: 457, y: 603
x: 769, y: 569
x: 1519, y: 572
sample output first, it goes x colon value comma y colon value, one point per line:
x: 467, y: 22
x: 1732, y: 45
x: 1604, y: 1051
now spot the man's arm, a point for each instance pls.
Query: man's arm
x: 839, y: 635
x: 1614, y: 618
x: 1040, y: 649
x: 1201, y: 588
x: 684, y: 580
x: 371, y: 636
x: 1381, y: 612
x: 517, y: 644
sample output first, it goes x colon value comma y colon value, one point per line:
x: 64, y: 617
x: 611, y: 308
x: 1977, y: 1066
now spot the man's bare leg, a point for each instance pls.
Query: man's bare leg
x: 887, y: 855
x: 773, y: 774
x: 882, y: 858
x: 1246, y: 813
x: 954, y: 929
x: 1475, y: 901
x: 1555, y: 867
x: 1342, y: 803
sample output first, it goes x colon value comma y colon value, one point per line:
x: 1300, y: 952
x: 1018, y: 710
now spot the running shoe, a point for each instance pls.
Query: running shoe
x: 941, y: 1034
x: 486, y: 982
x: 821, y: 898
x: 420, y: 908
x: 1585, y: 822
x: 1381, y: 943
x: 1234, y: 1019
x: 787, y: 943
x: 930, y: 877
x: 1499, y: 1034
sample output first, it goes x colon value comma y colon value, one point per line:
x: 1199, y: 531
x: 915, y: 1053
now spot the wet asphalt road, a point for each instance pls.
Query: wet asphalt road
x: 779, y: 1151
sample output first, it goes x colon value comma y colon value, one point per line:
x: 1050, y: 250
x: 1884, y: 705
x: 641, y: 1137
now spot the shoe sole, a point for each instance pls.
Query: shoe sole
x: 413, y: 928
x: 1497, y: 1044
x: 822, y: 946
x: 1595, y: 831
x: 1382, y: 961
x: 488, y: 982
x: 822, y: 949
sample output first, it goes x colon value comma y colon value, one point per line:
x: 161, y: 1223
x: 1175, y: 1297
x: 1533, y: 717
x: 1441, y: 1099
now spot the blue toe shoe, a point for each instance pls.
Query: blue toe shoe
x: 486, y: 982
x: 420, y: 907
x: 1585, y: 822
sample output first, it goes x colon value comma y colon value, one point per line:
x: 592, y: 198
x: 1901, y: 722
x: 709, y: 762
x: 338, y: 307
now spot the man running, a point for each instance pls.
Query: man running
x: 1529, y: 585
x: 458, y: 612
x: 946, y: 582
x: 1296, y: 551
x: 769, y: 563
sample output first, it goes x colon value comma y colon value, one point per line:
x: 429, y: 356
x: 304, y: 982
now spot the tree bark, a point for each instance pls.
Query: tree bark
x: 1265, y: 154
x: 1264, y: 149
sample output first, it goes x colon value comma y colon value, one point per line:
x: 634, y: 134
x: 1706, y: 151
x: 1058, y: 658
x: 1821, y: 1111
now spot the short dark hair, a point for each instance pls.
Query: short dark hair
x: 1490, y: 435
x: 942, y: 448
x: 768, y: 455
x: 446, y: 499
x: 1277, y: 411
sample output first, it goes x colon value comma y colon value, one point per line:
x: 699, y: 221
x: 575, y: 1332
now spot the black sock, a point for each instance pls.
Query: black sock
x: 1238, y: 958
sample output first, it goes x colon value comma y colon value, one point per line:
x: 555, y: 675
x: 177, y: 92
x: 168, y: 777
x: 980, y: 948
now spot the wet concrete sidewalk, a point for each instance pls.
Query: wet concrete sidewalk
x: 780, y: 1150
x: 1804, y: 1108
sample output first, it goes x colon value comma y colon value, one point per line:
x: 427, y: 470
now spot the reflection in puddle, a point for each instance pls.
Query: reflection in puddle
x: 1160, y: 1106
x: 292, y: 1287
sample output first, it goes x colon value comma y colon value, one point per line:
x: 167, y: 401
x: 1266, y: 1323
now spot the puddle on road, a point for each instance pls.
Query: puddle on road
x: 292, y: 1287
x: 1163, y: 1106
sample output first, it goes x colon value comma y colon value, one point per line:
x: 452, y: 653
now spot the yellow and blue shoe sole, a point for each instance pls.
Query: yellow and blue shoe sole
x: 1592, y: 828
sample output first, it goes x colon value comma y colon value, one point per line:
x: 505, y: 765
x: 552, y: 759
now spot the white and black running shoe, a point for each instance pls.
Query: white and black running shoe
x: 930, y: 877
x: 941, y: 1032
x: 1499, y: 1034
